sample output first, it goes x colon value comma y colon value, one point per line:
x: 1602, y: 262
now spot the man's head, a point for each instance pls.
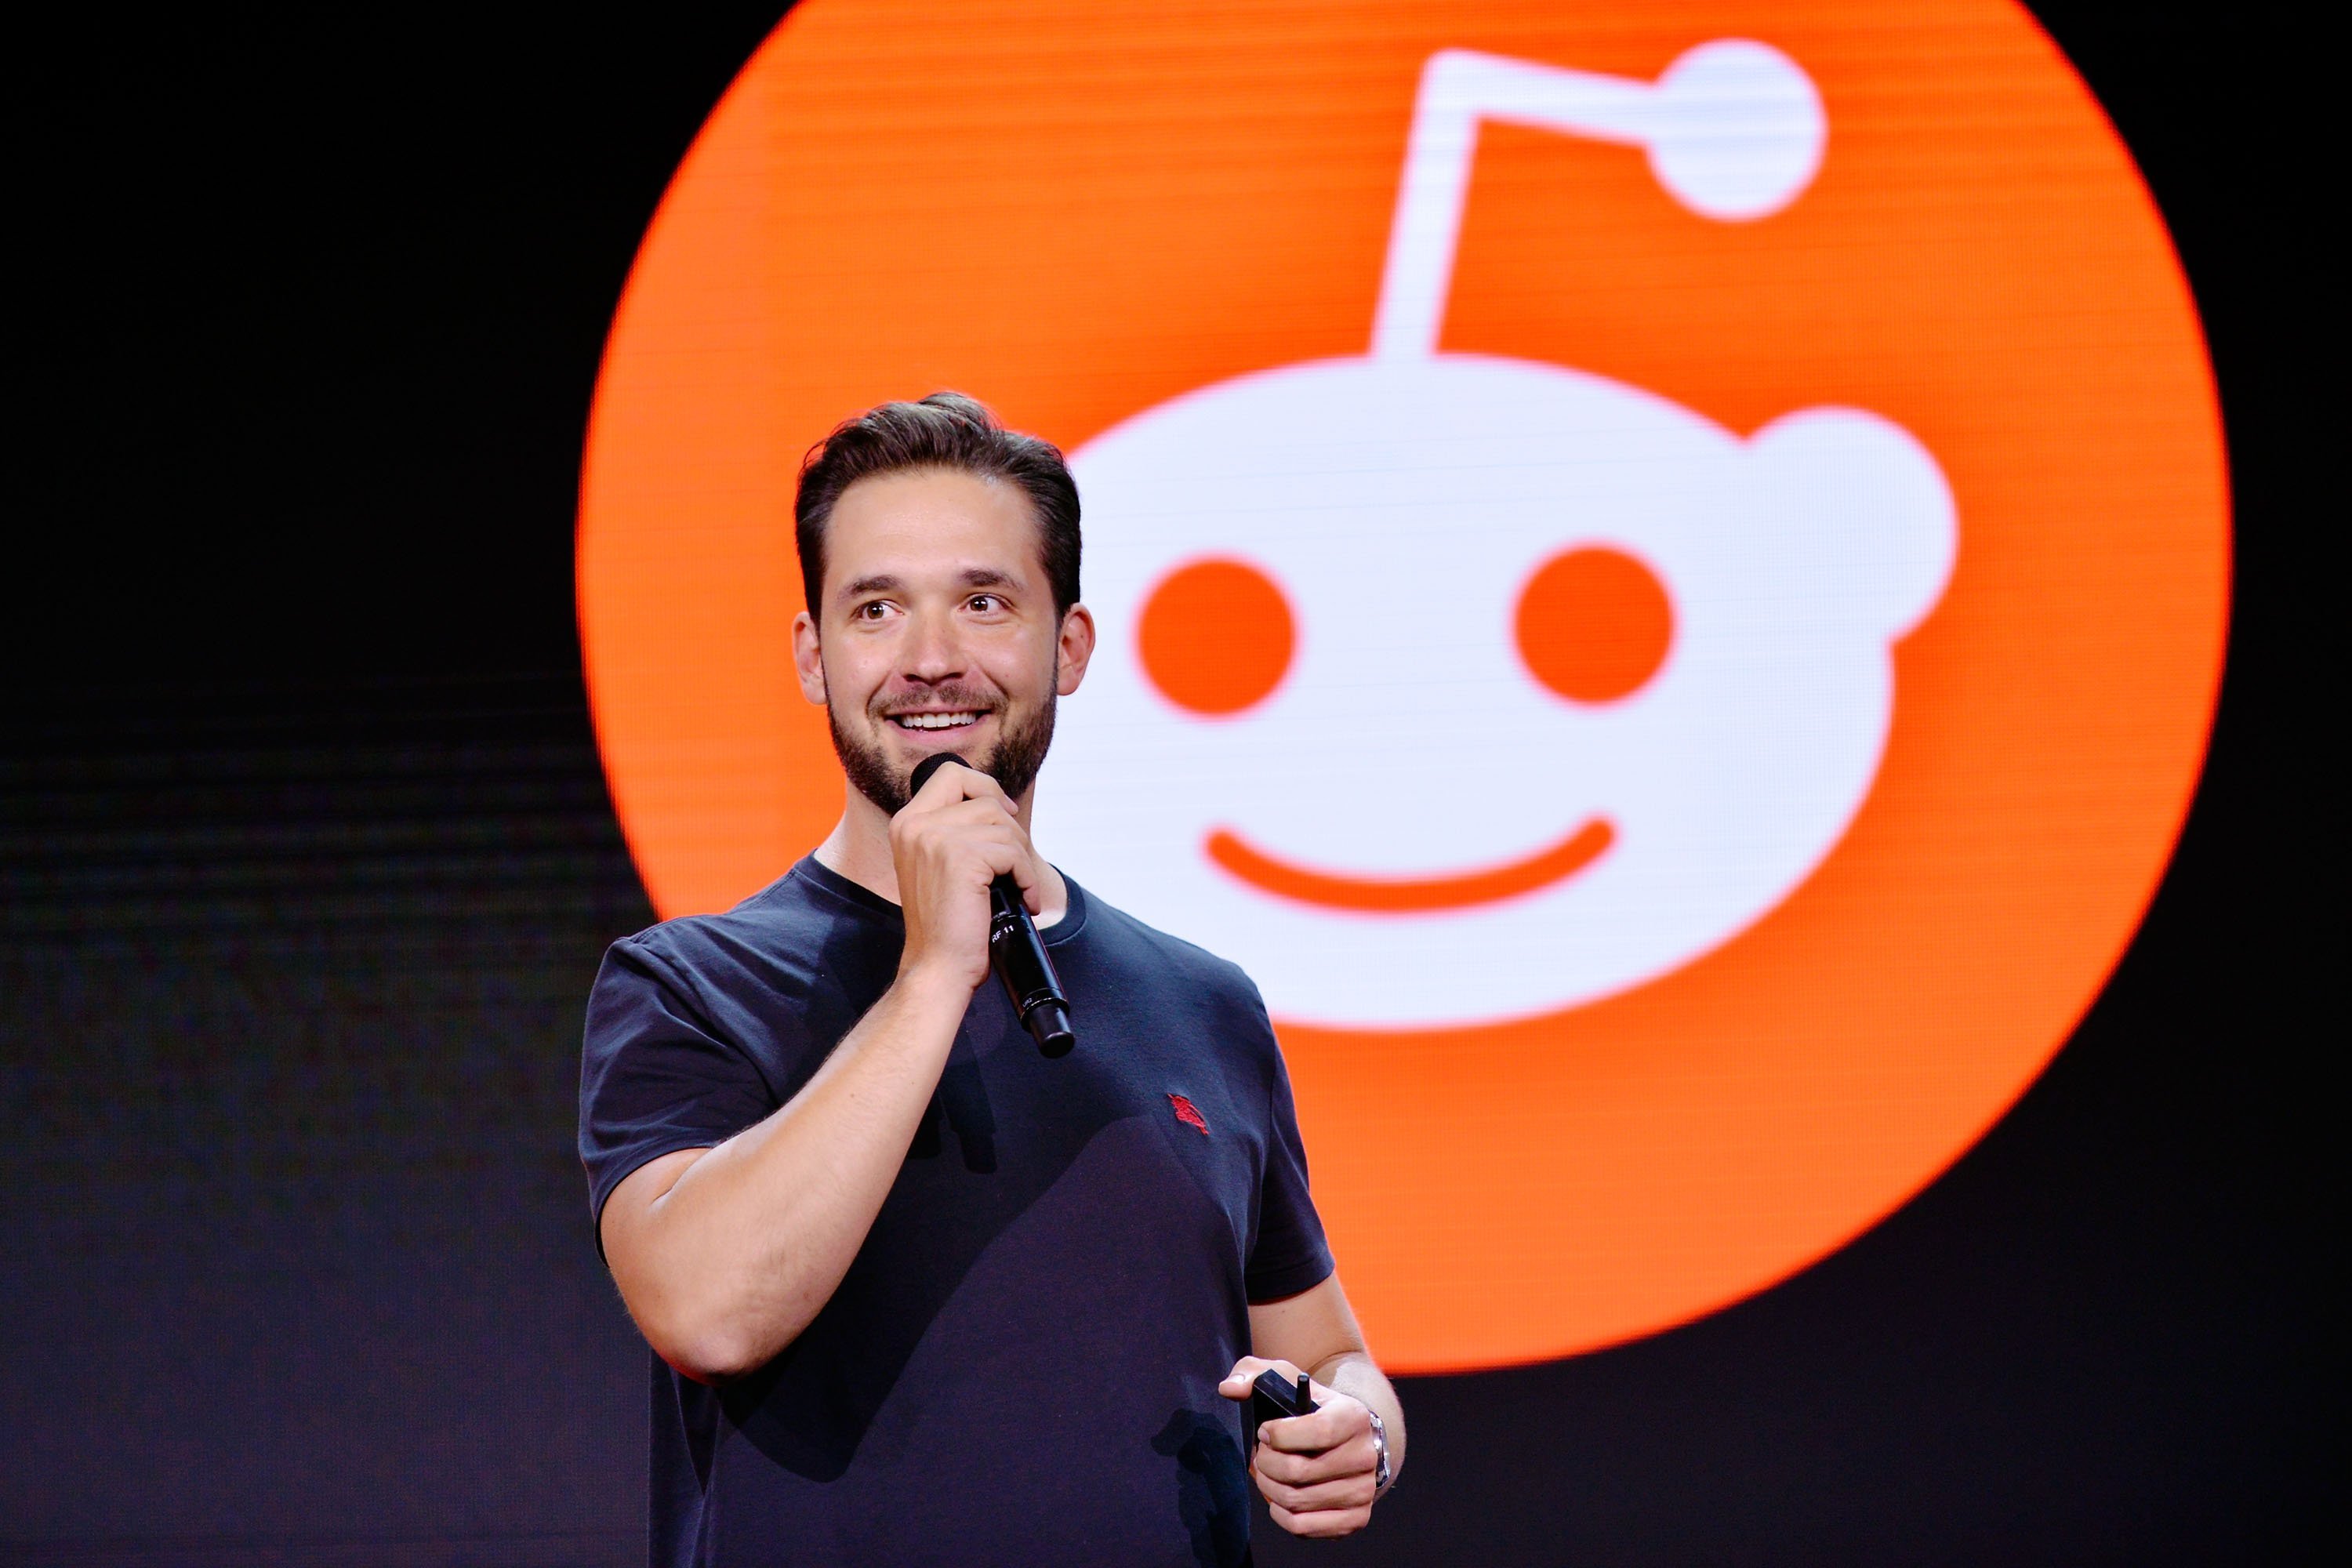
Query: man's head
x: 940, y: 554
x: 946, y: 430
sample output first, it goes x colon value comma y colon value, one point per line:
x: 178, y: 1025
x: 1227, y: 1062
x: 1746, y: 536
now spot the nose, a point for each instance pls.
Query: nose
x: 933, y: 653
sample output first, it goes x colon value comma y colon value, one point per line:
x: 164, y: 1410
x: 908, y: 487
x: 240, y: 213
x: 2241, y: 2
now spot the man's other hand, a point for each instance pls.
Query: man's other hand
x: 1315, y: 1472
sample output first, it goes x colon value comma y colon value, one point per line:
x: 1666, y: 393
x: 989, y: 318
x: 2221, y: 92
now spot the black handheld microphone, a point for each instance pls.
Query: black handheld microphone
x: 1015, y: 949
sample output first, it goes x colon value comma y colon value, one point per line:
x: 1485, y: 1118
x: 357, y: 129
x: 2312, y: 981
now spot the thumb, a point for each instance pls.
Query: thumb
x: 1237, y: 1383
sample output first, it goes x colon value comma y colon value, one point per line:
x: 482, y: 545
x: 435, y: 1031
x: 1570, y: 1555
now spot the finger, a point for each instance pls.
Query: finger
x: 979, y: 817
x: 944, y: 787
x: 987, y: 806
x: 1001, y: 857
x: 1349, y: 1492
x: 962, y: 822
x: 1027, y: 872
x: 1321, y: 1523
x: 1356, y: 1457
x: 948, y: 785
x: 1327, y: 1427
x: 1249, y: 1366
x: 978, y: 786
x: 1237, y: 1382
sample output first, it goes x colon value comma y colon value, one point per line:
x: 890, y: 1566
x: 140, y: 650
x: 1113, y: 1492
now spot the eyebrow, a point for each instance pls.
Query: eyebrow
x: 883, y: 582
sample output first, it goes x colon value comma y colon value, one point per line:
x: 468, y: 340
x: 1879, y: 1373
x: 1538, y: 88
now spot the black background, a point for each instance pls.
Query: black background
x: 306, y: 862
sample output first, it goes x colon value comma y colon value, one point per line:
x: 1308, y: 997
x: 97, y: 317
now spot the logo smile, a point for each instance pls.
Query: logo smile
x: 1412, y: 895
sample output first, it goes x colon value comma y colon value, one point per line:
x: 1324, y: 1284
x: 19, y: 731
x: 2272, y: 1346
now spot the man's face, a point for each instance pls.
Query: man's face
x: 939, y: 632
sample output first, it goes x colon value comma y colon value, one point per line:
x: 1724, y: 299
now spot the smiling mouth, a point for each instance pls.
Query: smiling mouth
x: 934, y: 723
x: 1412, y: 895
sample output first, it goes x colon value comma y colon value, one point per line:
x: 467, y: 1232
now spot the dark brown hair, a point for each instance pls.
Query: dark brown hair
x: 945, y: 430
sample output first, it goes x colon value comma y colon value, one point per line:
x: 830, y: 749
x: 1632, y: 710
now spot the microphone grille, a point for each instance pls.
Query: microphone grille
x: 930, y: 765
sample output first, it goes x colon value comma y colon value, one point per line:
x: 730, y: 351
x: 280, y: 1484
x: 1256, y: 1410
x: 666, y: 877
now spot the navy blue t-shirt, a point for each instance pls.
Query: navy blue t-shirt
x: 1020, y: 1365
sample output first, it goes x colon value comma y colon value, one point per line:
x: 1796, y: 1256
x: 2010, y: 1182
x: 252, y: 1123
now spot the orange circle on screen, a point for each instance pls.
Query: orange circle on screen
x: 1080, y: 210
x: 1216, y: 636
x: 1594, y: 625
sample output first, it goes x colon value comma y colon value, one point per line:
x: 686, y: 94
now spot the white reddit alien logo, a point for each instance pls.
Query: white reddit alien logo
x: 1430, y: 808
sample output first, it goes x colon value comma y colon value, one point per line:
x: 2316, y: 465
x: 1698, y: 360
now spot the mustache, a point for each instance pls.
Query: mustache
x: 969, y: 697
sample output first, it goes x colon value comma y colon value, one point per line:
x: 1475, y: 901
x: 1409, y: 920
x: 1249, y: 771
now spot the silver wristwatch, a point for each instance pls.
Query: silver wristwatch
x: 1381, y: 1448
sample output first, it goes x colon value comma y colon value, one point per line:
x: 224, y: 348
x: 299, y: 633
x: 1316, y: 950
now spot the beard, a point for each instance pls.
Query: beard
x: 1014, y: 763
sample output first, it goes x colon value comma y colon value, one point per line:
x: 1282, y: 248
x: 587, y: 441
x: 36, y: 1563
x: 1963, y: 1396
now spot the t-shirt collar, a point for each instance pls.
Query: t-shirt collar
x: 866, y: 901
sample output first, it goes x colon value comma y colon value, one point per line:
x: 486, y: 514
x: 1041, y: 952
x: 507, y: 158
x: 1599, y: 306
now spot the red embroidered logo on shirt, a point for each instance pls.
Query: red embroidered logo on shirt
x: 1187, y: 1113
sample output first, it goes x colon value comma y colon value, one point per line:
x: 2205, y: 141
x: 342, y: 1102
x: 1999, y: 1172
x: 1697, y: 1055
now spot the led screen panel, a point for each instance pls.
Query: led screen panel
x: 1664, y: 568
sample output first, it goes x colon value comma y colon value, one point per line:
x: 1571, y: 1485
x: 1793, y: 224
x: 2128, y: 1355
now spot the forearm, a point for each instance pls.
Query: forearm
x: 729, y: 1264
x: 1356, y: 1374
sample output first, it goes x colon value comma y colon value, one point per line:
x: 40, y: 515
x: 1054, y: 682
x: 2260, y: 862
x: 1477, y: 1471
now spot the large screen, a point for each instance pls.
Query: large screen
x: 1662, y: 569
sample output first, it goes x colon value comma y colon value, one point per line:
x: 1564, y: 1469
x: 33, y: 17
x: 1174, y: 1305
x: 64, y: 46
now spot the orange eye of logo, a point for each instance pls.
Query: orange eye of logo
x: 1594, y: 625
x: 1216, y: 636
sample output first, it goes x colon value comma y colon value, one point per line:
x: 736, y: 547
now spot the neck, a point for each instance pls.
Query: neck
x: 858, y: 848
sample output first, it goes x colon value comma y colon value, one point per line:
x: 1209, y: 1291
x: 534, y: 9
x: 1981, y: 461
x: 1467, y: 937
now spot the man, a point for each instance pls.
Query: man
x: 922, y: 1294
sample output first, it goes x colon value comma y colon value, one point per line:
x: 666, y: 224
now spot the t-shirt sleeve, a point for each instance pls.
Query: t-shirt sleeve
x: 1290, y: 1254
x: 654, y: 1076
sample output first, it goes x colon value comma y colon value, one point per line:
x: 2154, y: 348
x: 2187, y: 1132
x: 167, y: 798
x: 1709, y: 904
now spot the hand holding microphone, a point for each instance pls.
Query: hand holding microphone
x: 1015, y: 950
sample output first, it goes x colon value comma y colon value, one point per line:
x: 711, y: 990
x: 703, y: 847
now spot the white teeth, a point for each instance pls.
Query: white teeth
x: 934, y: 720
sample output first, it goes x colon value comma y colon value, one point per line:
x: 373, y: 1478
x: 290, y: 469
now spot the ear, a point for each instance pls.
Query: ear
x: 1073, y: 650
x: 1865, y: 505
x: 808, y: 658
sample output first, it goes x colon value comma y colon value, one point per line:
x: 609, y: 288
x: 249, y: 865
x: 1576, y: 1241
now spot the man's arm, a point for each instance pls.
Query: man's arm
x: 725, y: 1255
x: 1316, y: 1472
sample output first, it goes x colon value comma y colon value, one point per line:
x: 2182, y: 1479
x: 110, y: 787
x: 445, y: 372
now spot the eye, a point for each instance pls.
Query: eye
x: 985, y: 603
x: 1594, y: 625
x: 1216, y: 636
